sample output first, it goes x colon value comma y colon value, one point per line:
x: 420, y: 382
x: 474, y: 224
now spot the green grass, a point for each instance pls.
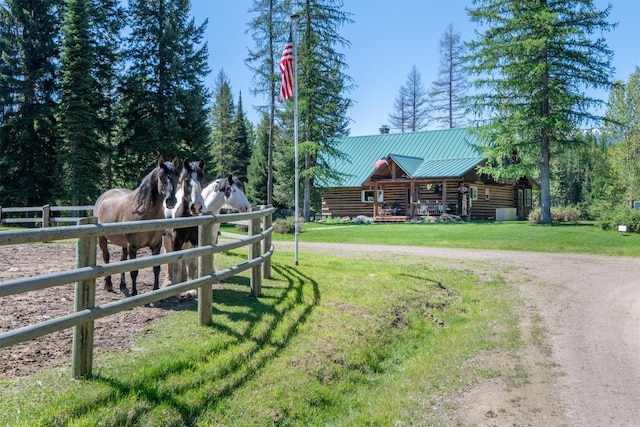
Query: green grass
x: 583, y: 238
x: 331, y: 342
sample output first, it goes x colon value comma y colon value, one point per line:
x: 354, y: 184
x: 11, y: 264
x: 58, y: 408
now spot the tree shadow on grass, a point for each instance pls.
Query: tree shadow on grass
x: 247, y: 334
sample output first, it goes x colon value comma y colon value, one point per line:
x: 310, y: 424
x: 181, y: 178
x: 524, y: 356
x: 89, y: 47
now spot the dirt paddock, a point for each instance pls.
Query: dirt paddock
x: 53, y: 350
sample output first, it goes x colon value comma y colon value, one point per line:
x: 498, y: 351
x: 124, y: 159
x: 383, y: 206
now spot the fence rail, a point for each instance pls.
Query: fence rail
x: 16, y: 215
x: 87, y: 271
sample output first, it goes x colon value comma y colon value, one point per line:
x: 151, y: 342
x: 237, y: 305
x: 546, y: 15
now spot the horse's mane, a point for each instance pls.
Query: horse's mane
x: 238, y: 182
x: 147, y: 190
x: 230, y: 180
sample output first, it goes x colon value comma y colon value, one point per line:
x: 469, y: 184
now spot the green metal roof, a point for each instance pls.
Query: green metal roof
x: 408, y: 164
x: 429, y: 154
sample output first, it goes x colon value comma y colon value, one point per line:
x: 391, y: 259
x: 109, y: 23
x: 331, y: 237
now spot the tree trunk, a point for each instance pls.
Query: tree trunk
x: 545, y: 181
x: 544, y: 156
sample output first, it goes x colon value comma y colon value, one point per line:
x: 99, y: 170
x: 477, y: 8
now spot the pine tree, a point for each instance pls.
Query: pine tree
x: 222, y: 113
x: 399, y: 119
x: 257, y: 185
x: 267, y: 27
x: 622, y: 130
x: 240, y: 147
x: 531, y: 65
x: 165, y: 100
x: 77, y: 120
x: 570, y: 171
x: 448, y: 91
x: 322, y: 89
x: 106, y: 22
x: 411, y: 113
x: 29, y: 36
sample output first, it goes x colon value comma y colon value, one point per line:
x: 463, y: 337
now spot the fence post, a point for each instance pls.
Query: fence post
x: 254, y: 252
x: 266, y: 243
x: 205, y: 267
x: 85, y: 297
x: 46, y: 213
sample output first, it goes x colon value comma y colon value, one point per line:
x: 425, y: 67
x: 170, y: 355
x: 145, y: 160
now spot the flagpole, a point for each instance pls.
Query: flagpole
x: 294, y: 17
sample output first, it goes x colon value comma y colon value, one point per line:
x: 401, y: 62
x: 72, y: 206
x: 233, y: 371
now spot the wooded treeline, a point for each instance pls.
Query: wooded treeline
x: 93, y: 91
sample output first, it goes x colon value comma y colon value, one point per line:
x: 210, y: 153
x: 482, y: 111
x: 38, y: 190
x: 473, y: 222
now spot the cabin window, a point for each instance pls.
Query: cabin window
x: 487, y: 196
x: 473, y: 193
x: 527, y: 197
x: 368, y: 196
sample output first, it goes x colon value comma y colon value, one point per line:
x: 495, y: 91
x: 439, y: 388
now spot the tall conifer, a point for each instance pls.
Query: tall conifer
x: 29, y: 40
x: 165, y: 100
x: 269, y: 29
x: 448, y: 91
x: 532, y: 64
x: 323, y: 87
x: 78, y: 153
x: 222, y: 113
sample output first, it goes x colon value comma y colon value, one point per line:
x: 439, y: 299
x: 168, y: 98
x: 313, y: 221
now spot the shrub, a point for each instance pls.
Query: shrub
x: 609, y: 220
x: 361, y: 219
x: 562, y: 214
x: 287, y: 225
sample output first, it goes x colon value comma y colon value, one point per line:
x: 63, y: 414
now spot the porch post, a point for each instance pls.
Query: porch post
x: 444, y: 196
x: 411, y: 201
x: 375, y: 199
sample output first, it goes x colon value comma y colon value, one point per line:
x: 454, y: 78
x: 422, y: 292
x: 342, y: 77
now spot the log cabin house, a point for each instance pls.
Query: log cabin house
x: 408, y: 176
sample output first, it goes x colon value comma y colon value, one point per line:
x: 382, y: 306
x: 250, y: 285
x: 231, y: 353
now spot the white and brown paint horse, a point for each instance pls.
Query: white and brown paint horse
x: 190, y: 202
x: 223, y: 192
x: 155, y: 192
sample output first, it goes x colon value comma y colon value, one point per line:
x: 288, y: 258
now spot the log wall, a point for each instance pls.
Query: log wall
x: 347, y: 202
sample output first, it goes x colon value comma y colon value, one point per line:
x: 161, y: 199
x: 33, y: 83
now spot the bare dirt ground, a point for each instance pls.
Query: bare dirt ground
x: 117, y: 331
x: 580, y: 322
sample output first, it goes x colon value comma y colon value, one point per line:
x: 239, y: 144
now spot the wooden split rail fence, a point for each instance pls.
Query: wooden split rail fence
x: 47, y: 215
x: 87, y: 271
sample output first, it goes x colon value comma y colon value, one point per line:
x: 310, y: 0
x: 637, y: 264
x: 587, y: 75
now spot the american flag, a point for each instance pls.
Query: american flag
x: 286, y: 68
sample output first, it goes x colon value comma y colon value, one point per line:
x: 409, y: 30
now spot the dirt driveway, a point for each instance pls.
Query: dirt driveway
x: 590, y: 308
x: 585, y: 372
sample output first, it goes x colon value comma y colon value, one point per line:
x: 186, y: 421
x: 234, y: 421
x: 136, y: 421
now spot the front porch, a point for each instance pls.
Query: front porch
x: 415, y: 210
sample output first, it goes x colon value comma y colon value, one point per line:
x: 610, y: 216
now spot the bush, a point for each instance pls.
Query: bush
x: 620, y: 216
x: 361, y: 219
x: 287, y: 225
x: 564, y: 214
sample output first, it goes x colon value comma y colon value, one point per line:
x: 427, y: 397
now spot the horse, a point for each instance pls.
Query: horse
x: 155, y: 192
x: 223, y: 191
x: 190, y: 202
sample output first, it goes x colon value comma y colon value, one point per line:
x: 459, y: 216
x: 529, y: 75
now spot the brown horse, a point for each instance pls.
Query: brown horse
x: 156, y: 191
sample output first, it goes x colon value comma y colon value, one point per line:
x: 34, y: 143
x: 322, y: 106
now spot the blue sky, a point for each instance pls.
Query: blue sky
x: 388, y: 37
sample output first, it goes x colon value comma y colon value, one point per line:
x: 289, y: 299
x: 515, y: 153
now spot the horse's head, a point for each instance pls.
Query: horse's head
x: 191, y: 181
x: 234, y: 194
x: 167, y: 178
x: 229, y: 191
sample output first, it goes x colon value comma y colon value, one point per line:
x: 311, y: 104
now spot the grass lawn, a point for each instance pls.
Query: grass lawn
x: 509, y: 235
